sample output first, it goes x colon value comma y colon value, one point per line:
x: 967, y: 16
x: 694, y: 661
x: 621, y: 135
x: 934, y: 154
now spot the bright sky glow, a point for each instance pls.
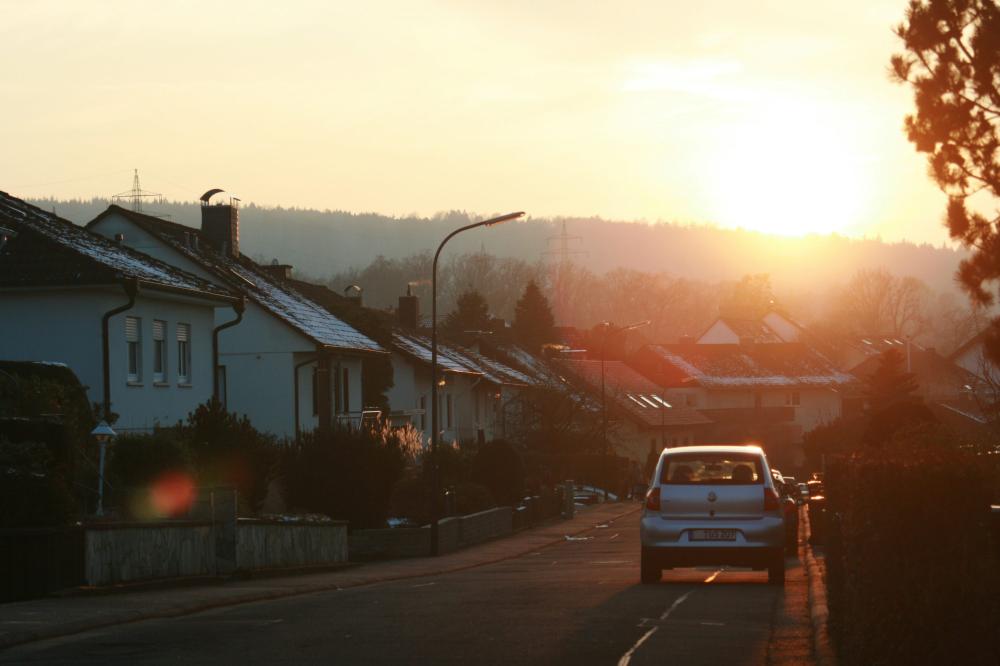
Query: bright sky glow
x: 775, y: 115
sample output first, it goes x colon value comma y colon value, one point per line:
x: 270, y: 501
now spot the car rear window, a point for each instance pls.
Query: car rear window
x: 689, y: 469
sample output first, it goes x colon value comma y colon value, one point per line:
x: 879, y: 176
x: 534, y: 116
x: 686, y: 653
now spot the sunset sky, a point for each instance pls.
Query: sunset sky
x: 775, y: 116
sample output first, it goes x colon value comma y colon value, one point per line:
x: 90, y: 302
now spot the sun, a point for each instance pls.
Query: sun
x: 790, y: 172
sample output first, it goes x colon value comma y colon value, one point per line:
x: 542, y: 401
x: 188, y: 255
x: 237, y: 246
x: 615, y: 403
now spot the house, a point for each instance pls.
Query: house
x: 137, y: 331
x: 644, y: 420
x: 772, y: 328
x: 971, y: 356
x: 476, y: 394
x: 778, y: 390
x: 289, y: 364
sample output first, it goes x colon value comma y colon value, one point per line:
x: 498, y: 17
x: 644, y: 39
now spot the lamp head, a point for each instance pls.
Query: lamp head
x: 103, y: 432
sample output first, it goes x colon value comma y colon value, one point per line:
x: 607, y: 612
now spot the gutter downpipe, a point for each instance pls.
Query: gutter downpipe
x: 131, y: 287
x: 239, y: 308
x: 295, y: 391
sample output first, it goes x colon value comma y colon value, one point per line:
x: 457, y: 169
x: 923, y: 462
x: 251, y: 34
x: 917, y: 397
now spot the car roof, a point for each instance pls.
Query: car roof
x: 715, y: 448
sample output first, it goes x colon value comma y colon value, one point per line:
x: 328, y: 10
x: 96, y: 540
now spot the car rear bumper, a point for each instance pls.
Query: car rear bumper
x: 756, y: 558
x: 675, y: 535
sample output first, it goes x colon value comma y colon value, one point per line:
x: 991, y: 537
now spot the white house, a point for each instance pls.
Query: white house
x: 136, y: 331
x: 289, y: 364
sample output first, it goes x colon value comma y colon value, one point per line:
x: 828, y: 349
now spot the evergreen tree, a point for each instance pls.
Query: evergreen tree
x: 534, y: 323
x: 952, y: 61
x: 472, y: 313
x: 890, y: 384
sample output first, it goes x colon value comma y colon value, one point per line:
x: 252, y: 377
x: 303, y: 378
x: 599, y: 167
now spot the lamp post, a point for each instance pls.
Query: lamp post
x: 435, y: 512
x: 103, y: 434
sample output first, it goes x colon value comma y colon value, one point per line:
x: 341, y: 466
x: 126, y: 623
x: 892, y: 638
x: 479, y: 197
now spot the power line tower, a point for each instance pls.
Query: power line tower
x: 560, y: 254
x: 133, y: 198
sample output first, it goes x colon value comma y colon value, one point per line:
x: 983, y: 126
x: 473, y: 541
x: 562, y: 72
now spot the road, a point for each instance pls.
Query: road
x: 577, y: 602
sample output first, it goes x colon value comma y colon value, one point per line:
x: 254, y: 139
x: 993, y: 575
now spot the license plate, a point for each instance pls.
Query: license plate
x: 713, y: 535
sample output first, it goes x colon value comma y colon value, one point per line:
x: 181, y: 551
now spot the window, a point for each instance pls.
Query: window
x: 183, y: 353
x: 423, y: 412
x: 133, y: 340
x: 712, y: 469
x: 159, y: 351
x: 346, y: 391
x: 792, y: 398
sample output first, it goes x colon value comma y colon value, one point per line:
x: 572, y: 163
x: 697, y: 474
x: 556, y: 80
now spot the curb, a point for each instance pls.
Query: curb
x: 818, y: 611
x: 127, y: 617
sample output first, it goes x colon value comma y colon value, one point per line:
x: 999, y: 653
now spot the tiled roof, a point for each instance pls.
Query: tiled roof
x: 754, y: 329
x: 459, y: 360
x: 49, y: 250
x: 785, y: 364
x: 242, y: 274
x: 635, y: 394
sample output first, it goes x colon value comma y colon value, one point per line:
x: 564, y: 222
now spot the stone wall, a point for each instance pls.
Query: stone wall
x: 125, y: 552
x: 454, y: 534
x: 262, y: 544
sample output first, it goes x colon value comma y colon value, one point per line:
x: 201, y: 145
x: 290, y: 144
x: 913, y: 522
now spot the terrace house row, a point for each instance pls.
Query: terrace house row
x: 285, y: 361
x: 135, y: 330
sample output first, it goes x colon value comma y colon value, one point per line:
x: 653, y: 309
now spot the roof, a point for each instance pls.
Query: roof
x: 635, y: 394
x: 418, y: 347
x: 977, y: 339
x: 51, y: 251
x: 458, y: 360
x: 786, y: 364
x: 714, y: 448
x: 541, y: 372
x: 244, y: 275
x: 754, y: 329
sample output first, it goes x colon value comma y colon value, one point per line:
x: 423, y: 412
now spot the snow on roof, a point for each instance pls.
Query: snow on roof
x: 497, y: 372
x: 634, y: 393
x: 98, y: 251
x: 735, y: 366
x: 283, y: 301
x: 533, y: 366
x: 419, y: 347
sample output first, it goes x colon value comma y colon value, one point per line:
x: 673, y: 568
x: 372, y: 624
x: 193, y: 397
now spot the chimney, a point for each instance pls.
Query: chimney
x: 352, y: 293
x: 220, y: 224
x: 408, y: 313
x: 120, y: 238
x: 278, y: 271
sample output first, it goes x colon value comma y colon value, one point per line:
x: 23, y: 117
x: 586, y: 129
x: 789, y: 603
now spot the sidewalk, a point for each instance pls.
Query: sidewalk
x: 27, y: 621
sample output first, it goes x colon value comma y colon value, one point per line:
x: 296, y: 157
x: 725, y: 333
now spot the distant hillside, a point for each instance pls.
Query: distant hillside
x: 320, y: 243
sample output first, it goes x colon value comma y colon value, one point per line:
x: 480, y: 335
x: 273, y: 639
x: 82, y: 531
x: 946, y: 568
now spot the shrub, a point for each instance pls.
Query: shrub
x: 143, y: 466
x: 346, y: 474
x: 228, y: 451
x: 910, y: 573
x: 31, y: 493
x: 472, y: 498
x: 498, y: 467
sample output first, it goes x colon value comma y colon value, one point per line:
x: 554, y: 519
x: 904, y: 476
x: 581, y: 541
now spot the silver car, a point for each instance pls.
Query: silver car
x: 712, y: 505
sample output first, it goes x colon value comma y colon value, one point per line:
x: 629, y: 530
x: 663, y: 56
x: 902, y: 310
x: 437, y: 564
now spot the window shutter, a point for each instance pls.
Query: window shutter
x: 159, y: 328
x: 183, y: 332
x: 132, y: 329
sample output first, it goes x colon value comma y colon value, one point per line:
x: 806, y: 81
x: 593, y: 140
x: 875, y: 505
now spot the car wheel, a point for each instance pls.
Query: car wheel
x: 776, y: 569
x: 649, y: 568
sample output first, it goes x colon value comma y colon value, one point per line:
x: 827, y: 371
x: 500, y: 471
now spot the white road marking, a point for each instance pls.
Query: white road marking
x: 613, y: 537
x: 424, y: 585
x: 627, y: 657
x: 611, y: 562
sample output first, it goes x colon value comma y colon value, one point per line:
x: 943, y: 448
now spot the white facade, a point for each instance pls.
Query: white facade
x: 264, y: 358
x: 812, y: 407
x: 63, y: 325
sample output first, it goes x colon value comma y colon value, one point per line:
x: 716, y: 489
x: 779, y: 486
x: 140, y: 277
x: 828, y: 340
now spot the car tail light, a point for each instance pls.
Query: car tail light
x: 653, y: 499
x: 771, y: 502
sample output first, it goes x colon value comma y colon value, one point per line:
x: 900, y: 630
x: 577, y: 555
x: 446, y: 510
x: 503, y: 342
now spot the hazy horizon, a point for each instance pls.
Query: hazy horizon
x: 773, y: 117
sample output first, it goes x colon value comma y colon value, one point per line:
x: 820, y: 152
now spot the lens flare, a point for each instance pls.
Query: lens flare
x: 172, y: 494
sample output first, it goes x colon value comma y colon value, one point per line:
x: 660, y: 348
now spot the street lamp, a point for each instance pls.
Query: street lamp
x: 434, y: 369
x: 103, y: 434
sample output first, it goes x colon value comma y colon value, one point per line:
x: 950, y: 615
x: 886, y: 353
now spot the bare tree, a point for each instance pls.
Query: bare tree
x: 876, y: 302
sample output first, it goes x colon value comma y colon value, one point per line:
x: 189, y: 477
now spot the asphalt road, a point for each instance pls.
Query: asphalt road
x: 578, y: 602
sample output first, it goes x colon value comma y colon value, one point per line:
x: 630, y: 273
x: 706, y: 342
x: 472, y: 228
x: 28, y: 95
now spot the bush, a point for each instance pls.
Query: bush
x: 142, y: 467
x: 472, y: 498
x: 32, y: 494
x: 347, y: 474
x: 498, y: 467
x: 910, y: 572
x: 228, y: 451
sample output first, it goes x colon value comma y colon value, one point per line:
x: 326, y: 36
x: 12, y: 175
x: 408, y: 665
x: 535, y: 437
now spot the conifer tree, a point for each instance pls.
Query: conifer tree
x: 472, y: 313
x: 534, y: 323
x: 890, y: 384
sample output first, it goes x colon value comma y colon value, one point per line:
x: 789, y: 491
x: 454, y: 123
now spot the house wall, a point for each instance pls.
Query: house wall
x: 719, y: 334
x: 259, y: 354
x: 64, y: 325
x: 816, y: 407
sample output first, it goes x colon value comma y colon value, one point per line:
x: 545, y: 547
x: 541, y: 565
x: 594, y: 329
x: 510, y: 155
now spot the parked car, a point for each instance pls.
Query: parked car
x: 712, y: 505
x: 804, y: 490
